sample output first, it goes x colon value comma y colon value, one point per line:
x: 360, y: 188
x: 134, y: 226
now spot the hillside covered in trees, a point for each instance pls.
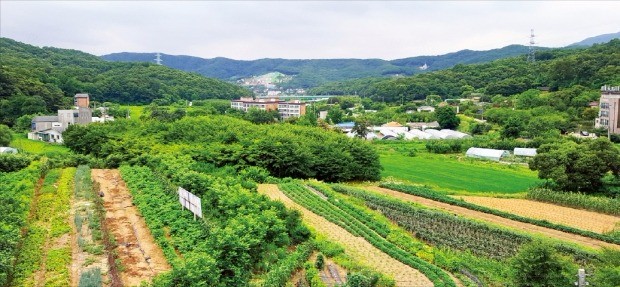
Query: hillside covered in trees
x: 41, y: 80
x: 557, y: 69
x: 313, y: 72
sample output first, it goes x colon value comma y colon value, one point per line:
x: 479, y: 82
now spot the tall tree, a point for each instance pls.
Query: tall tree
x: 446, y: 117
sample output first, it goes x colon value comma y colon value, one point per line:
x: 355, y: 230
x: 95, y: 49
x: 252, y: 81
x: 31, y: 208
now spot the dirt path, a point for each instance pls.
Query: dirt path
x: 356, y: 247
x: 564, y: 236
x: 141, y: 258
x: 582, y: 219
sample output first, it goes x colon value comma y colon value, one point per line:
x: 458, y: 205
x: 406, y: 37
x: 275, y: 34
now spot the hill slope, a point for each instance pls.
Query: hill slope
x: 596, y: 40
x: 310, y: 73
x: 42, y: 80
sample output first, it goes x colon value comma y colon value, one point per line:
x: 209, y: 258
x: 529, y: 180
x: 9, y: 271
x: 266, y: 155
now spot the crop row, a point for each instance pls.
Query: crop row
x: 443, y: 229
x: 347, y: 221
x: 50, y: 221
x: 576, y: 200
x: 448, y: 230
x: 162, y: 214
x: 279, y: 275
x: 430, y: 194
x: 16, y: 193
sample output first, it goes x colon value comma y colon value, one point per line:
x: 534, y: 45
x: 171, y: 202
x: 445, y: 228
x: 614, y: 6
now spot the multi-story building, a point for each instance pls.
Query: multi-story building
x: 50, y: 128
x: 609, y: 107
x: 244, y: 104
x: 286, y: 109
x: 291, y: 109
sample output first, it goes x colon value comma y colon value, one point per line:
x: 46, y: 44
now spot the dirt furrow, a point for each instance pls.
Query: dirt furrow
x: 141, y: 258
x: 356, y: 247
x: 564, y: 236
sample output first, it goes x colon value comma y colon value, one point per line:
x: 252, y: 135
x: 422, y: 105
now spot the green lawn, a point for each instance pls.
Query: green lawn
x: 456, y: 173
x: 135, y: 111
x: 21, y: 142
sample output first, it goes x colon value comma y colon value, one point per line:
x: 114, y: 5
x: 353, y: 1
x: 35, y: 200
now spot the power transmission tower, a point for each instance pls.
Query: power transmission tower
x: 158, y: 60
x: 531, y: 57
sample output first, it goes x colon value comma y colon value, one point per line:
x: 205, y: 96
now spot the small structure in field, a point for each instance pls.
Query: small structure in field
x: 486, y: 153
x: 5, y: 149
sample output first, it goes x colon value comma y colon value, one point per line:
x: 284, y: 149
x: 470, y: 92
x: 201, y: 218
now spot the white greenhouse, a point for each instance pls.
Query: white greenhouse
x: 486, y: 153
x: 525, y: 151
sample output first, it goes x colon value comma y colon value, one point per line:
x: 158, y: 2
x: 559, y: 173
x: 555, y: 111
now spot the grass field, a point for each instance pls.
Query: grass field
x: 453, y: 173
x: 21, y: 142
x: 135, y: 111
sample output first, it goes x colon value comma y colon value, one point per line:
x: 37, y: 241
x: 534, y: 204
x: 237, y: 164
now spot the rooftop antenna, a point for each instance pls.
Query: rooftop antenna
x: 531, y: 52
x: 158, y: 60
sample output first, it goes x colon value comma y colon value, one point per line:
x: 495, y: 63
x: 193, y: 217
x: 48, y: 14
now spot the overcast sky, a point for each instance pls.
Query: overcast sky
x: 249, y: 30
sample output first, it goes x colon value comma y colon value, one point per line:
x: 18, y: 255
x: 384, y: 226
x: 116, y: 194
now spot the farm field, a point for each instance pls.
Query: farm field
x: 134, y: 111
x: 140, y: 257
x: 355, y: 246
x: 21, y: 141
x: 546, y: 232
x: 457, y: 175
x: 582, y: 219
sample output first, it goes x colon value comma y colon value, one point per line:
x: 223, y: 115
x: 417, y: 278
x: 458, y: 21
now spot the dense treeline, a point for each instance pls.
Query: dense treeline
x: 41, y: 80
x: 282, y: 150
x: 556, y: 69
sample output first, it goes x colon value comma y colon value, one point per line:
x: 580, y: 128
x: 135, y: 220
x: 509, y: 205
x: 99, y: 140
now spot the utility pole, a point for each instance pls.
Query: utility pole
x: 581, y: 278
x: 531, y: 56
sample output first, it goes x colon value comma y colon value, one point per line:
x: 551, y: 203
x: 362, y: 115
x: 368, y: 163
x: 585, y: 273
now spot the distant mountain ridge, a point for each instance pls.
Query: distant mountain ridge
x: 314, y: 72
x: 596, y: 40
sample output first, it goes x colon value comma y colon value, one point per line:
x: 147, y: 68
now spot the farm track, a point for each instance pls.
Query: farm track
x: 548, y: 232
x: 140, y: 256
x: 582, y: 219
x: 356, y: 247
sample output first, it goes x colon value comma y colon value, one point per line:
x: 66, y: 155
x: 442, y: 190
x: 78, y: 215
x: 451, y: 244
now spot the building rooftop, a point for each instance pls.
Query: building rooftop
x: 81, y: 95
x: 45, y: 119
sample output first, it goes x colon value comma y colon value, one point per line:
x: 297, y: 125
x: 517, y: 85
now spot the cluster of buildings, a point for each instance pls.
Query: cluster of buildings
x: 609, y: 110
x: 394, y: 130
x: 50, y: 128
x: 286, y: 109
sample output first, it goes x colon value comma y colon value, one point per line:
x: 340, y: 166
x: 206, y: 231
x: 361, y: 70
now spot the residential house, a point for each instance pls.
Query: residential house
x: 50, y: 128
x: 426, y: 109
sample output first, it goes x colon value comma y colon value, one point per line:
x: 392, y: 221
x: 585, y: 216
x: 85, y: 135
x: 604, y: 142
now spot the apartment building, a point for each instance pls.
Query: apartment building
x: 609, y: 107
x: 286, y: 109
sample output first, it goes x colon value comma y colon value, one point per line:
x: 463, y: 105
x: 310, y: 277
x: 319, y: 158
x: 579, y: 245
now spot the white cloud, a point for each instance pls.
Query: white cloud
x: 251, y: 30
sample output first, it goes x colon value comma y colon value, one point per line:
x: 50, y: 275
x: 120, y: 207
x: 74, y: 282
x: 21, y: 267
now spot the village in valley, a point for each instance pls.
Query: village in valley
x: 317, y: 163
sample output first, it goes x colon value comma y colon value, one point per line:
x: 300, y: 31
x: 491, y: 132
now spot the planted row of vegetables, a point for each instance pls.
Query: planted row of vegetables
x: 348, y: 221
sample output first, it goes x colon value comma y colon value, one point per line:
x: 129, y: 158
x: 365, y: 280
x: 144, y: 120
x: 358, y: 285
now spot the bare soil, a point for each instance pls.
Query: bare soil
x: 141, y: 259
x: 582, y: 219
x: 548, y: 232
x: 356, y: 247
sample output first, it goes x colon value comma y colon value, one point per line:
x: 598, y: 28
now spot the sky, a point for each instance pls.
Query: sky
x: 248, y: 30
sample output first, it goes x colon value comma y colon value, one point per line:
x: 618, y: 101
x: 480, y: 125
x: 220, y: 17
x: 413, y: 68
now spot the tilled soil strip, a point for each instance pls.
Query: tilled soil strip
x: 141, y: 258
x: 564, y: 236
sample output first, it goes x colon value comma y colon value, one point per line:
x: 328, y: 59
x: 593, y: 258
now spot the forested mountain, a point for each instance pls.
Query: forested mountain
x: 41, y: 80
x: 559, y: 68
x: 597, y: 40
x: 311, y: 73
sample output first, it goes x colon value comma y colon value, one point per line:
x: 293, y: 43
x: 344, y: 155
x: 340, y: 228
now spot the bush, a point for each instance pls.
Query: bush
x: 320, y: 261
x: 13, y: 162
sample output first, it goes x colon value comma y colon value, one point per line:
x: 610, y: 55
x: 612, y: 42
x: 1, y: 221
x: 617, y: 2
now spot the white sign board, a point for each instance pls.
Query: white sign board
x: 190, y: 201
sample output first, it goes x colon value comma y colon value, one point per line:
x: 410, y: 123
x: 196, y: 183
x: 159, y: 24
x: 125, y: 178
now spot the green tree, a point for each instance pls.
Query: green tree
x: 607, y: 270
x: 577, y: 167
x: 257, y: 116
x: 335, y: 114
x: 5, y: 135
x: 446, y: 117
x: 538, y: 265
x: 360, y: 128
x: 513, y: 127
